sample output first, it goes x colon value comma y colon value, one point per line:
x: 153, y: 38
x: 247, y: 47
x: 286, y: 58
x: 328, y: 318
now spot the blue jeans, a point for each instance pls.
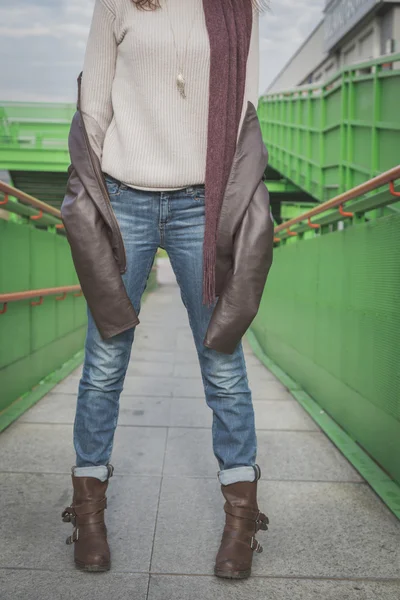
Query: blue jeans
x: 173, y: 220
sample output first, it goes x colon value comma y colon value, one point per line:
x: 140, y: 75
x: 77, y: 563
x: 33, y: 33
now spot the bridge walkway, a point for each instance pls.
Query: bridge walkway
x: 330, y: 536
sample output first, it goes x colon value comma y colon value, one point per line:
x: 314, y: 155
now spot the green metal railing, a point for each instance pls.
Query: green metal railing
x: 33, y: 136
x: 329, y: 138
x: 360, y: 204
x: 37, y: 338
x: 329, y: 324
x: 42, y: 310
x: 39, y: 213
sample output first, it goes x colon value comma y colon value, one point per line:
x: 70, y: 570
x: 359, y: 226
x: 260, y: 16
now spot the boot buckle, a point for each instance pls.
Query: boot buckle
x: 262, y: 521
x: 257, y: 547
x: 74, y: 537
x: 68, y: 515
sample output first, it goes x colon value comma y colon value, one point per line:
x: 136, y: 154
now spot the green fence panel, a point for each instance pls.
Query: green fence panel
x: 330, y: 318
x: 332, y: 137
x: 36, y: 340
x: 14, y: 275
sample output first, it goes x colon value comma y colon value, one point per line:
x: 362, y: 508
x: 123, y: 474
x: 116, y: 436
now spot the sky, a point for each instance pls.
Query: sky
x: 42, y: 44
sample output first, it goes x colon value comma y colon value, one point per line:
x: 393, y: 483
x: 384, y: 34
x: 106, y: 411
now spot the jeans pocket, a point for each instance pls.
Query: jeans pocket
x: 199, y: 193
x: 113, y: 185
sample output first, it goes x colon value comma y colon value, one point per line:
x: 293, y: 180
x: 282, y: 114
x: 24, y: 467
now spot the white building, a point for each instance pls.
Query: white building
x: 350, y: 32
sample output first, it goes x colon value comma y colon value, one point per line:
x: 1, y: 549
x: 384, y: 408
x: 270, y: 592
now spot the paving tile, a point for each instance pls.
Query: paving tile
x: 165, y: 274
x: 187, y: 357
x: 317, y: 530
x: 146, y: 368
x: 53, y: 408
x: 145, y: 411
x: 165, y: 587
x: 138, y: 385
x: 185, y: 370
x: 299, y: 455
x: 184, y: 447
x: 139, y: 450
x: 268, y: 390
x: 183, y: 388
x: 251, y: 359
x: 282, y: 455
x: 189, y: 452
x: 68, y: 386
x: 188, y: 382
x: 154, y: 356
x: 134, y: 410
x: 48, y: 448
x: 190, y: 412
x: 275, y: 414
x: 257, y: 372
x: 160, y: 339
x: 184, y: 340
x: 47, y: 585
x: 270, y: 414
x: 249, y: 354
x: 77, y: 373
x: 33, y: 534
x: 148, y: 386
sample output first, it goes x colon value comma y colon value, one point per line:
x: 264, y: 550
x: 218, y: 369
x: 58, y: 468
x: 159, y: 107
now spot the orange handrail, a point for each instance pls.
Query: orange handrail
x: 9, y: 190
x: 388, y: 177
x: 15, y: 296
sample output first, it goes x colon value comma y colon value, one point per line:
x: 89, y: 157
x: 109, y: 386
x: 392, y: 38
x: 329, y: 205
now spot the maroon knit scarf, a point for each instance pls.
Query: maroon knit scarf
x: 229, y: 25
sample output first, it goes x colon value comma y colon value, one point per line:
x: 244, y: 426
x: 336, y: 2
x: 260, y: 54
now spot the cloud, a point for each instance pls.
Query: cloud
x: 42, y: 44
x: 282, y: 30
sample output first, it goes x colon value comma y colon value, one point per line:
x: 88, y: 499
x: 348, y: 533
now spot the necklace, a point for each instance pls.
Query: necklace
x: 180, y: 79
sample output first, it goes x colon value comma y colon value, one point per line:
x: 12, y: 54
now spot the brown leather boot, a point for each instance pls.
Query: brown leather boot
x: 86, y: 513
x: 243, y: 520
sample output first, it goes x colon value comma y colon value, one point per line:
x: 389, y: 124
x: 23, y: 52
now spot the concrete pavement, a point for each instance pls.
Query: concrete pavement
x: 330, y: 536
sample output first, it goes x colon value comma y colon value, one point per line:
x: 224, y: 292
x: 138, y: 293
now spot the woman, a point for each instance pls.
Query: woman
x: 166, y: 151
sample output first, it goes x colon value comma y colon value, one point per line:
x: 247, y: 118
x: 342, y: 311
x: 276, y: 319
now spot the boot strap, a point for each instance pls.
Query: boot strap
x: 70, y: 513
x: 73, y: 537
x: 258, y: 517
x: 90, y: 507
x: 90, y: 519
x: 246, y: 539
x: 81, y: 532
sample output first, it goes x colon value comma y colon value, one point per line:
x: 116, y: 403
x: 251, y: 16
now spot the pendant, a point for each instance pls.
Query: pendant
x: 180, y: 82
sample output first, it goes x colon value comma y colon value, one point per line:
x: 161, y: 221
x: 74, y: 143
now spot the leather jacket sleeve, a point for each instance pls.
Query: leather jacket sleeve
x: 252, y: 258
x: 94, y: 260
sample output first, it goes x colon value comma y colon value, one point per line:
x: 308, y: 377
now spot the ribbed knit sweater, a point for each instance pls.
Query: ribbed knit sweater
x: 153, y: 138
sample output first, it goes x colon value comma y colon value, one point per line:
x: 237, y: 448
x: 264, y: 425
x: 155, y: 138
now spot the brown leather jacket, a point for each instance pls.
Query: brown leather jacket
x: 244, y: 242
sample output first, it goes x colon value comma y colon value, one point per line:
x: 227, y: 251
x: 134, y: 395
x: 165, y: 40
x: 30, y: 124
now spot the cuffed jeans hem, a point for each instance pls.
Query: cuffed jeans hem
x: 236, y: 474
x: 101, y: 472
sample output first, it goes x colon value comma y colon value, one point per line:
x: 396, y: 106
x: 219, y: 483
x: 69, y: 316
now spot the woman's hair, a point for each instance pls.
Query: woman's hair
x: 154, y: 4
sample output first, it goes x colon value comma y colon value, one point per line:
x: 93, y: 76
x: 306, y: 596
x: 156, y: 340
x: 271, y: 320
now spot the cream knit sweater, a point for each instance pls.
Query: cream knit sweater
x: 153, y: 138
